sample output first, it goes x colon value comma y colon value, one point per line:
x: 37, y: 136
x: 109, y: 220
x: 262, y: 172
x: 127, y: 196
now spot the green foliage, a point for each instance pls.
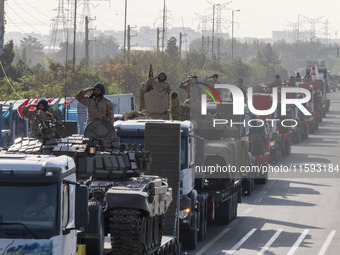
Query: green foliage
x: 268, y: 55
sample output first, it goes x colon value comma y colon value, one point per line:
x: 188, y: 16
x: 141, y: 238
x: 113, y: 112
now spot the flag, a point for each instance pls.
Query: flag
x: 56, y: 104
x: 35, y: 102
x: 51, y: 100
x: 32, y: 108
x: 8, y: 111
x: 61, y: 107
x: 21, y: 106
x: 314, y: 72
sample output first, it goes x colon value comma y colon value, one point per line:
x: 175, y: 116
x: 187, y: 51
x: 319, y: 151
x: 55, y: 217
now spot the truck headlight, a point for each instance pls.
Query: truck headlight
x: 184, y: 213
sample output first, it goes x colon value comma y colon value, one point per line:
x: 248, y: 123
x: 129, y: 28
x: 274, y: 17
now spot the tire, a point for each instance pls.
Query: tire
x: 246, y: 187
x: 95, y: 226
x: 305, y: 134
x: 312, y: 127
x: 189, y: 237
x: 222, y: 214
x: 287, y: 149
x: 317, y: 123
x: 203, y: 218
x: 275, y: 158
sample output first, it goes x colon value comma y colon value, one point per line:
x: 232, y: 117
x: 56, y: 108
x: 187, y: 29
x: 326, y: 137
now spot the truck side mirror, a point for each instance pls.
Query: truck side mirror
x: 81, y: 207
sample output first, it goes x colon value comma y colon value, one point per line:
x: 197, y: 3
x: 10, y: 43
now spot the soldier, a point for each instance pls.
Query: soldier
x: 298, y: 77
x: 159, y: 83
x: 190, y: 85
x: 214, y: 79
x: 307, y: 79
x: 277, y: 81
x: 98, y: 106
x: 239, y: 83
x: 38, y: 118
x: 291, y: 82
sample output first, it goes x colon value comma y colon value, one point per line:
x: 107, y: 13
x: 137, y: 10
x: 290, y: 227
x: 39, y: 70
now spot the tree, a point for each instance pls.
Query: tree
x: 7, y: 59
x: 172, y: 50
x: 268, y: 55
x: 32, y: 49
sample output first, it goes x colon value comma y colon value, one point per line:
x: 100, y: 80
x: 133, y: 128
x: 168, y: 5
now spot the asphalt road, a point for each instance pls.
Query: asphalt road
x: 291, y: 214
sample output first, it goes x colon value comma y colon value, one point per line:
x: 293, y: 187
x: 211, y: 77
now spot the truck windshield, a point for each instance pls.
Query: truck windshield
x: 33, y: 206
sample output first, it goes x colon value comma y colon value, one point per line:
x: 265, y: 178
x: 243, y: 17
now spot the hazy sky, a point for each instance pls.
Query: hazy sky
x: 257, y: 18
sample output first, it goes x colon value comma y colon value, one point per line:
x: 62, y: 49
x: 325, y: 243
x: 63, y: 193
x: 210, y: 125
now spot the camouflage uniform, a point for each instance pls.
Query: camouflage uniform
x: 37, y: 122
x: 192, y: 93
x: 307, y: 79
x: 102, y: 109
x: 159, y: 85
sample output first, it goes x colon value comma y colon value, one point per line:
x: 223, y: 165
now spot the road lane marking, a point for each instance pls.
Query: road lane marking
x: 327, y: 242
x: 212, y: 242
x: 248, y: 210
x: 270, y: 242
x: 298, y: 242
x: 238, y: 245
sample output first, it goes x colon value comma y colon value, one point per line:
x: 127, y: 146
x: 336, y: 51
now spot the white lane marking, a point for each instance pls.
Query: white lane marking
x: 238, y: 245
x: 298, y: 242
x: 270, y: 242
x: 327, y: 242
x: 212, y: 242
x: 258, y: 200
x: 248, y: 210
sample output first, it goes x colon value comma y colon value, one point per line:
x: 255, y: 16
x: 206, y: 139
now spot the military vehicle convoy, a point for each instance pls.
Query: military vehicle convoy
x: 119, y: 189
x: 89, y: 175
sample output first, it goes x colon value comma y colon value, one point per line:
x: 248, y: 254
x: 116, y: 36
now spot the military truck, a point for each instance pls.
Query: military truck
x: 271, y: 138
x: 123, y: 202
x: 203, y: 198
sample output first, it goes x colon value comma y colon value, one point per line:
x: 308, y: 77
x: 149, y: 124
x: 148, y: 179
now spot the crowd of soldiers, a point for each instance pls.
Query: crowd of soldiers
x: 45, y: 123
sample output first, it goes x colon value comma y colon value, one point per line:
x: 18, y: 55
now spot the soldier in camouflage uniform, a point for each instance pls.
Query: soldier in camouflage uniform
x: 159, y: 83
x: 41, y: 121
x: 98, y: 106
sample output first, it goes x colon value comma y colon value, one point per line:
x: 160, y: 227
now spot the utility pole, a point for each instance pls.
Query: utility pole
x: 128, y: 39
x: 87, y: 57
x: 218, y: 49
x: 74, y: 33
x: 163, y: 32
x: 180, y: 45
x: 2, y: 25
x: 232, y: 33
x: 313, y: 22
x: 213, y: 34
x: 125, y: 27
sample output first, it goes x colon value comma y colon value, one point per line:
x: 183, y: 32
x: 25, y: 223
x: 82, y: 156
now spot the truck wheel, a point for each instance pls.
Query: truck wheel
x: 305, y: 134
x: 287, y: 149
x: 95, y: 226
x: 246, y: 187
x: 189, y: 237
x: 312, y: 128
x: 222, y: 213
x: 235, y: 206
x: 203, y: 217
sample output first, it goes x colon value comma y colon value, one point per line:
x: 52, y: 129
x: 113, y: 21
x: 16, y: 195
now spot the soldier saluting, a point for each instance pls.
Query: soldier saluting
x: 38, y: 117
x: 98, y: 106
x: 159, y: 83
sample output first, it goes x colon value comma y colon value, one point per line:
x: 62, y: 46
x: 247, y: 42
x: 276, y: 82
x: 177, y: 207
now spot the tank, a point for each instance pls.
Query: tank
x: 133, y: 204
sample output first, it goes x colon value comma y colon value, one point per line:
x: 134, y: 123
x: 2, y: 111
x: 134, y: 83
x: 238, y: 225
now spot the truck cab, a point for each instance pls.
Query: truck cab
x: 44, y: 206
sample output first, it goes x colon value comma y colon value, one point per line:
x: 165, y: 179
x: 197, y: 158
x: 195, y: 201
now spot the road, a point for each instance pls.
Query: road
x: 290, y: 215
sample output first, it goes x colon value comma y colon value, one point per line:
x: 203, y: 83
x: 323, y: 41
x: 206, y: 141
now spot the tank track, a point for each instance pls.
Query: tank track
x: 134, y: 233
